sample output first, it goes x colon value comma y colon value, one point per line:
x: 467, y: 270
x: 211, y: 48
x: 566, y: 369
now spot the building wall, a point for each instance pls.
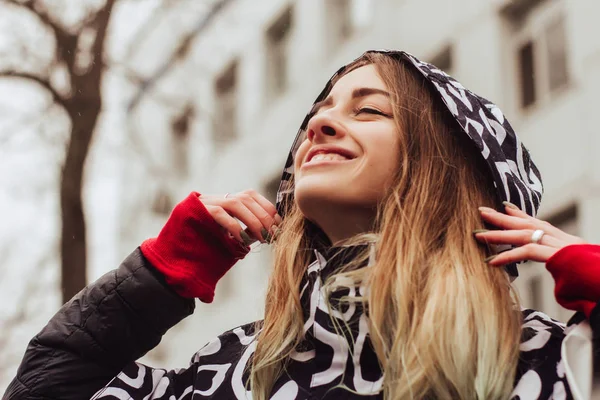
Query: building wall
x: 560, y: 131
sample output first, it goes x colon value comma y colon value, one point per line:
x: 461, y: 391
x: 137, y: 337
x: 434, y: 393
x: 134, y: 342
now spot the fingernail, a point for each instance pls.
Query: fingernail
x: 490, y: 258
x: 476, y: 231
x: 486, y: 209
x: 277, y: 219
x: 510, y: 205
x: 265, y: 235
x: 247, y: 239
x: 276, y: 231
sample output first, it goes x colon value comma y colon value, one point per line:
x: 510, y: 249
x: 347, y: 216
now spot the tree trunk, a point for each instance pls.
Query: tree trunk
x: 83, y: 108
x: 84, y: 114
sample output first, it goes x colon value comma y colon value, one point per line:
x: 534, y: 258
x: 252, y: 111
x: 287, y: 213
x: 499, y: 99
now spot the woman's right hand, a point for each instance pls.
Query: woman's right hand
x: 249, y: 207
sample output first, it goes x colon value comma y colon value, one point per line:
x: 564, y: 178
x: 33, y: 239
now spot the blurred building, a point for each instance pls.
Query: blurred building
x: 253, y: 72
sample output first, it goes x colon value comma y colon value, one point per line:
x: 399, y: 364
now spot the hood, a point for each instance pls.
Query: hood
x: 516, y: 178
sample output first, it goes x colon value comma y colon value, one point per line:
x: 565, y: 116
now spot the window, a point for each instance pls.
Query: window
x: 344, y: 17
x: 277, y: 37
x: 540, y: 49
x: 443, y: 59
x: 527, y: 74
x: 180, y: 126
x: 162, y: 203
x: 225, y: 114
x: 518, y: 10
x: 339, y: 21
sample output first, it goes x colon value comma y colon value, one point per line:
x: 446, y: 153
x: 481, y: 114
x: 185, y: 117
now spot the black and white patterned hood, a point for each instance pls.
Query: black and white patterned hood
x: 516, y: 177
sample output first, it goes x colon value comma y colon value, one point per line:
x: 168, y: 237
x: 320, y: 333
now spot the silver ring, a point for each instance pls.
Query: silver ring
x: 226, y: 194
x: 537, y: 236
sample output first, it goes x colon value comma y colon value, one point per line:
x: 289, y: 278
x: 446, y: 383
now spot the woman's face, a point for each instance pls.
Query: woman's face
x: 347, y: 160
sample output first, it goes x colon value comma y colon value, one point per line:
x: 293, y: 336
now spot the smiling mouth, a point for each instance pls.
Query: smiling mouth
x: 331, y: 158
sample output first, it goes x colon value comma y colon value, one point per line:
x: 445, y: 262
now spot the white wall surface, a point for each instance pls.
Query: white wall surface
x: 561, y: 134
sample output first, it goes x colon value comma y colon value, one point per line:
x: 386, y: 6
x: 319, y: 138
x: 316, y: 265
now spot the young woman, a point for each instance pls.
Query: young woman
x: 383, y: 285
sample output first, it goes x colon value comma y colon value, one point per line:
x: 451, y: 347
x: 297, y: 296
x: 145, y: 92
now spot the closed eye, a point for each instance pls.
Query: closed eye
x: 367, y: 110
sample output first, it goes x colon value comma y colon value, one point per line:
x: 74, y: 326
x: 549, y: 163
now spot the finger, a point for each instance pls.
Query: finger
x: 516, y: 237
x: 266, y: 205
x: 514, y: 210
x: 524, y: 221
x: 547, y: 227
x: 236, y: 207
x: 532, y: 252
x: 210, y: 200
x: 505, y: 221
x: 226, y: 221
x: 260, y: 199
x: 259, y: 212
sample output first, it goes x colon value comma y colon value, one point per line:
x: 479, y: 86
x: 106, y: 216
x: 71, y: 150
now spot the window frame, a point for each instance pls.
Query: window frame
x: 444, y: 58
x: 231, y: 71
x: 277, y: 46
x: 352, y: 8
x: 533, y: 27
x: 181, y: 129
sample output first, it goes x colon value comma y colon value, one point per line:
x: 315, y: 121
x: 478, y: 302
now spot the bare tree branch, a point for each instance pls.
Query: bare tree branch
x: 101, y: 22
x: 179, y: 53
x: 147, y: 27
x: 24, y: 122
x: 40, y: 13
x: 68, y: 41
x: 31, y: 6
x: 45, y: 83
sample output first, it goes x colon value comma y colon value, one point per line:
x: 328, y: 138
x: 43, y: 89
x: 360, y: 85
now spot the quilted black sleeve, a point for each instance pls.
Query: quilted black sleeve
x: 106, y: 326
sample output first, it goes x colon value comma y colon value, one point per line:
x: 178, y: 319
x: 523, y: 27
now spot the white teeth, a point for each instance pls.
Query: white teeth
x: 330, y: 156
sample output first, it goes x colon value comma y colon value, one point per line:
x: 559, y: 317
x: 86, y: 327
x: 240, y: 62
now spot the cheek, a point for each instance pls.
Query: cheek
x: 300, y: 154
x: 383, y: 155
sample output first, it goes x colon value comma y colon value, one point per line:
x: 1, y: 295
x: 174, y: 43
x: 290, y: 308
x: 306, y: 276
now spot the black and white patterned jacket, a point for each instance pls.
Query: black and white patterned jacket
x: 94, y: 339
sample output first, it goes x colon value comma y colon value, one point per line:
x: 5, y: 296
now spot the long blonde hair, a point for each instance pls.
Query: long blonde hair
x: 443, y: 324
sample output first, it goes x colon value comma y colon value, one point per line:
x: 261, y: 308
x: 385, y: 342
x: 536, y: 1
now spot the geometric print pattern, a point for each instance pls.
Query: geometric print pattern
x: 333, y: 361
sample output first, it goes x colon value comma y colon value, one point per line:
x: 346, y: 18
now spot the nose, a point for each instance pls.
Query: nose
x: 322, y: 125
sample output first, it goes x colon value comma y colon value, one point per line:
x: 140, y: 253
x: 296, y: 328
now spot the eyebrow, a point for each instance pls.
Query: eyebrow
x: 356, y: 93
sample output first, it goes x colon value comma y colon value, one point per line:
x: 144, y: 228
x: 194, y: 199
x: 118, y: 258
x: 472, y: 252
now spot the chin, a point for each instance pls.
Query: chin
x: 315, y: 199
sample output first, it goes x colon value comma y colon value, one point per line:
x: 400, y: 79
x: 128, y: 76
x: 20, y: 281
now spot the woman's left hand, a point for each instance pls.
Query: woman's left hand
x: 516, y: 229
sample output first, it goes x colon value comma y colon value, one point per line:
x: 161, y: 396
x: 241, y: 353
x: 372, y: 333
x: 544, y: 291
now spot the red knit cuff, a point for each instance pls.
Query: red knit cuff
x: 576, y: 272
x: 185, y: 283
x: 192, y: 251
